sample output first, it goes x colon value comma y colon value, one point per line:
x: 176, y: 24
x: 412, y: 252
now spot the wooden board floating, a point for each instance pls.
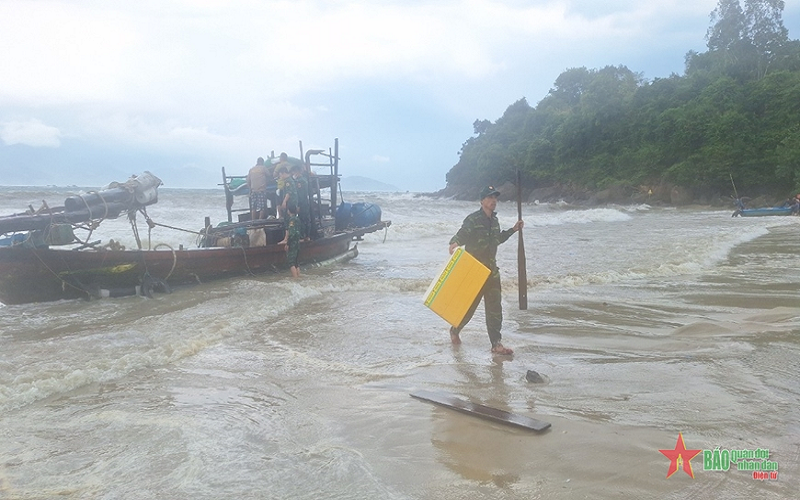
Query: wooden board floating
x: 479, y: 410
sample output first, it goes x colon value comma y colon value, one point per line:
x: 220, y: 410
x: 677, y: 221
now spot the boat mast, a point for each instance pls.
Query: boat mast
x: 335, y: 179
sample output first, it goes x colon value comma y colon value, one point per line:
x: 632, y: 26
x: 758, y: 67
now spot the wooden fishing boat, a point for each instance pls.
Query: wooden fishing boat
x: 43, y: 259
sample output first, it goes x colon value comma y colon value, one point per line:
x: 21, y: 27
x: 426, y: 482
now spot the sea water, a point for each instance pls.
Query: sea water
x: 645, y: 323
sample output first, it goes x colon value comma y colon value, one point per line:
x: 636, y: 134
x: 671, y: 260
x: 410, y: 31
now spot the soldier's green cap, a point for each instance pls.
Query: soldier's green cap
x: 489, y: 191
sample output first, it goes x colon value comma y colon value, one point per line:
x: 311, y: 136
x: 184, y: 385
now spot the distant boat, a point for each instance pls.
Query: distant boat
x: 763, y: 212
x: 741, y: 211
x: 41, y: 259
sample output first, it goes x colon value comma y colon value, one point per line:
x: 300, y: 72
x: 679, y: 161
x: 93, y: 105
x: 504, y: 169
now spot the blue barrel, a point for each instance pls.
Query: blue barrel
x: 365, y: 214
x: 343, y: 216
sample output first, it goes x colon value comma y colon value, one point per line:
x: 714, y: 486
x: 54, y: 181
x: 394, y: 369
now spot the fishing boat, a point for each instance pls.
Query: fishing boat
x: 763, y: 212
x: 791, y: 207
x: 47, y: 254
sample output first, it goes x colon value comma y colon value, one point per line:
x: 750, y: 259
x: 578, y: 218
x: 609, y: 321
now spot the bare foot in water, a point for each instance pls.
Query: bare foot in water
x: 454, y: 338
x: 503, y: 351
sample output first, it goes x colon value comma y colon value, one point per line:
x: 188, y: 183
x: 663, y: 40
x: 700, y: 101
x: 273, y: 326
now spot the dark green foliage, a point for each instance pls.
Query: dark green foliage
x: 734, y: 112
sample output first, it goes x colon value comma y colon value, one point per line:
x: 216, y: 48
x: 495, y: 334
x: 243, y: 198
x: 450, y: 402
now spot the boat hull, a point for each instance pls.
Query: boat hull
x: 47, y: 274
x: 764, y: 212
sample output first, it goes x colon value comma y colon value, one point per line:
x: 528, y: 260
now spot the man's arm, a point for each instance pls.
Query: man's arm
x: 505, y: 235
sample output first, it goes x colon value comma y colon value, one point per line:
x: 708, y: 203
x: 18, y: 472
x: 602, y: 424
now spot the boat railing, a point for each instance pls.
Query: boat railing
x: 327, y: 179
x: 236, y: 185
x: 322, y: 168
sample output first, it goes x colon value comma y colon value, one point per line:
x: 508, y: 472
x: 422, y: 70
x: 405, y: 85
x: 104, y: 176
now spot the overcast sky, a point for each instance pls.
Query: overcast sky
x: 93, y: 91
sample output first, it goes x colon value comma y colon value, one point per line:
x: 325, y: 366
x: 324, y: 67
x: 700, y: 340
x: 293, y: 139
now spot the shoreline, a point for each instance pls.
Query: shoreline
x: 664, y: 195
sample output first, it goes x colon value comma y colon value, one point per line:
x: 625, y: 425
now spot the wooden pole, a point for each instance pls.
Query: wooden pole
x: 521, y: 261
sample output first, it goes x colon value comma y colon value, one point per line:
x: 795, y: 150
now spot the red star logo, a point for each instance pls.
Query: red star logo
x: 680, y: 455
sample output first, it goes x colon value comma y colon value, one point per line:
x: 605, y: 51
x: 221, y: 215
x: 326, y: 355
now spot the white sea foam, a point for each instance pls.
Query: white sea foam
x: 587, y: 216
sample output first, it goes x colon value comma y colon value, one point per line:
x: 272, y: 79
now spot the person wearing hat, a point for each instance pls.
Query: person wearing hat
x: 282, y: 163
x: 288, y: 193
x: 481, y: 235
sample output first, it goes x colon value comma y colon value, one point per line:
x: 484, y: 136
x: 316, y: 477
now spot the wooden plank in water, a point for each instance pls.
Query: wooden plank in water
x: 479, y: 410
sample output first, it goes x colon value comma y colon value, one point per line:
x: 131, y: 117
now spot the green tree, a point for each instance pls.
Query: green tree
x: 765, y: 30
x: 728, y: 30
x: 746, y: 43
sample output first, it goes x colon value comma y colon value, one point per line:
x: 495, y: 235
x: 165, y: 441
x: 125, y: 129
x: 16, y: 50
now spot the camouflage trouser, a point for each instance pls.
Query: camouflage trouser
x: 490, y: 293
x: 304, y: 212
x: 294, y: 249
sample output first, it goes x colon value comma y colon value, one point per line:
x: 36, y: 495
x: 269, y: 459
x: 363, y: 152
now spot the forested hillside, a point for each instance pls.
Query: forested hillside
x: 734, y: 113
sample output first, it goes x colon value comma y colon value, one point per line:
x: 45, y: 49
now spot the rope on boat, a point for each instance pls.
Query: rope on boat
x: 92, y: 225
x: 247, y: 264
x: 89, y: 226
x: 151, y: 284
x: 153, y: 223
x: 174, y: 258
x: 64, y: 283
x: 135, y: 229
x: 201, y: 235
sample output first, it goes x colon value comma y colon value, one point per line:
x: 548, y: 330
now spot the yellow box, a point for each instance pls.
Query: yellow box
x: 454, y: 290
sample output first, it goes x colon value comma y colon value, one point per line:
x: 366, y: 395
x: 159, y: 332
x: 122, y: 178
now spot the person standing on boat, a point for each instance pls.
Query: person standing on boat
x: 303, y: 204
x: 292, y: 239
x: 481, y: 235
x: 257, y: 181
x: 283, y: 163
x: 288, y: 193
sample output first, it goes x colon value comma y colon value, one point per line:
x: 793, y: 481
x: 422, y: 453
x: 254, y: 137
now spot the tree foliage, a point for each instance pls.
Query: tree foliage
x: 735, y: 111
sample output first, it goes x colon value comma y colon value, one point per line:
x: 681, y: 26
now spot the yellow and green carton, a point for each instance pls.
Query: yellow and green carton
x: 454, y: 289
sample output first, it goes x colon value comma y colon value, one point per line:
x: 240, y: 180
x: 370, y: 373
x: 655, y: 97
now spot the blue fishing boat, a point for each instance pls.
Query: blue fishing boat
x: 763, y: 212
x: 791, y: 207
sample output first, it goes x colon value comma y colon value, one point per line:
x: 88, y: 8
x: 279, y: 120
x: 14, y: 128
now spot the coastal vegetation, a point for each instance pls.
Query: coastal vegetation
x: 733, y: 114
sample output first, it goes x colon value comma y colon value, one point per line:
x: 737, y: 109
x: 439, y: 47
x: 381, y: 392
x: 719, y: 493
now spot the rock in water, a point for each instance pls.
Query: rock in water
x: 534, y: 377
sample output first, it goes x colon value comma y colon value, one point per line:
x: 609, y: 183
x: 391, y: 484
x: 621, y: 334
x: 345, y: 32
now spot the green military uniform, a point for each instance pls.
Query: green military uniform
x: 293, y: 239
x: 291, y: 189
x: 303, y: 204
x: 481, y: 235
x: 277, y: 176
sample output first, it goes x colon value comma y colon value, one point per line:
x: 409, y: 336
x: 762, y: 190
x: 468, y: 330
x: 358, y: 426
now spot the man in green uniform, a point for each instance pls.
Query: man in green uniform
x: 303, y: 204
x: 288, y: 193
x: 292, y: 239
x: 481, y: 235
x: 283, y: 163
